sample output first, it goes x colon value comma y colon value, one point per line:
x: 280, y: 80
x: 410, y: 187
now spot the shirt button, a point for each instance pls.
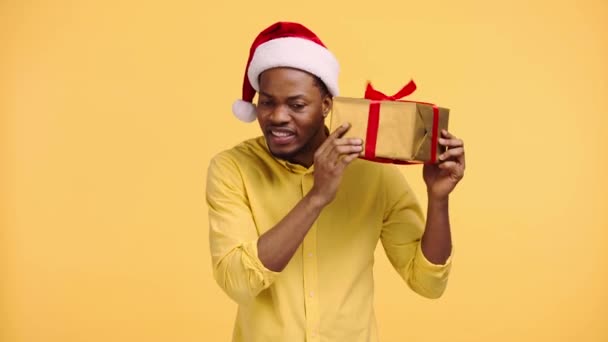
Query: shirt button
x: 310, y: 255
x: 312, y: 293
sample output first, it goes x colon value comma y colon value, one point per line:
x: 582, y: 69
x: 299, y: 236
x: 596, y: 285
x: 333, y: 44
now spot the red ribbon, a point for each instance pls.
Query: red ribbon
x: 373, y: 94
x: 373, y: 122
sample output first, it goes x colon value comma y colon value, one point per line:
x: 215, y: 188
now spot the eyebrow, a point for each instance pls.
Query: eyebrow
x: 294, y: 97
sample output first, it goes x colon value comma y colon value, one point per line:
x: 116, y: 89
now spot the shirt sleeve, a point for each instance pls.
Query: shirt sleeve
x: 402, y: 229
x: 232, y: 234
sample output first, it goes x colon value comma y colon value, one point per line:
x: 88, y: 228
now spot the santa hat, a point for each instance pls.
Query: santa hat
x: 285, y: 44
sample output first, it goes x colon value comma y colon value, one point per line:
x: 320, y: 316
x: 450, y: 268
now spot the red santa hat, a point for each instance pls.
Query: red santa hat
x: 285, y: 44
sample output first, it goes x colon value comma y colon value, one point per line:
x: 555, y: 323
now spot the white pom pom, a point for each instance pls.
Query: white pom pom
x: 244, y: 111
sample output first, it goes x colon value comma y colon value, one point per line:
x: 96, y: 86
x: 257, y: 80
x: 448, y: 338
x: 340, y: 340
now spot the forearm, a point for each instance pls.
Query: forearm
x: 278, y: 245
x: 437, y: 238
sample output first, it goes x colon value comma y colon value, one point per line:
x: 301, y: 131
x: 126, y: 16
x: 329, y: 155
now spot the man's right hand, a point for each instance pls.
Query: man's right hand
x: 330, y: 160
x: 278, y: 245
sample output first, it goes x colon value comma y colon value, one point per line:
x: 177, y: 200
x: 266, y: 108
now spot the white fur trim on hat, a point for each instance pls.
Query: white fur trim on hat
x: 244, y: 111
x: 295, y: 53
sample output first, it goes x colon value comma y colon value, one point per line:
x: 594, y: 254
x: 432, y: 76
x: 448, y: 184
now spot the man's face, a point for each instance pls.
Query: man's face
x: 290, y: 113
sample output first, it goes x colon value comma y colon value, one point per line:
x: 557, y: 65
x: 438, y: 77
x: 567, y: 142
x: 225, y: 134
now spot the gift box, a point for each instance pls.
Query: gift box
x: 394, y: 130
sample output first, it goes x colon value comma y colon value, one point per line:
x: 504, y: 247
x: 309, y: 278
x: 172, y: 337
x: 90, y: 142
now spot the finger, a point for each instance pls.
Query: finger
x: 453, y: 153
x: 340, y: 151
x: 347, y: 149
x: 445, y: 133
x: 447, y: 136
x: 347, y: 141
x: 339, y: 146
x: 345, y: 160
x: 337, y: 133
x: 452, y: 142
x: 340, y: 131
x: 349, y: 158
x: 348, y: 145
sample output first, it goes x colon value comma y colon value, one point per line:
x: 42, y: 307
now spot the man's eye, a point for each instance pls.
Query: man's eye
x: 297, y: 106
x: 265, y: 103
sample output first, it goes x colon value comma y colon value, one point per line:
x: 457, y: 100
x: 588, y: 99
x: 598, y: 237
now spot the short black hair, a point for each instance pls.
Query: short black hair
x: 321, y: 85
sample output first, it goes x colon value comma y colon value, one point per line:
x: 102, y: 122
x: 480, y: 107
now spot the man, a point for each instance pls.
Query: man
x: 295, y: 216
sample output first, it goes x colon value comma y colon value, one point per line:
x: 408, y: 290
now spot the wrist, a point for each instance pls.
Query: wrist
x: 438, y: 198
x: 315, y: 201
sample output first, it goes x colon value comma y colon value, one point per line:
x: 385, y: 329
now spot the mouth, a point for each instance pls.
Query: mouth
x: 281, y: 136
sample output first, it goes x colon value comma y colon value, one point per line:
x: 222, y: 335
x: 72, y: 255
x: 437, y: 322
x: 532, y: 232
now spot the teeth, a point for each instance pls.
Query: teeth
x: 280, y: 134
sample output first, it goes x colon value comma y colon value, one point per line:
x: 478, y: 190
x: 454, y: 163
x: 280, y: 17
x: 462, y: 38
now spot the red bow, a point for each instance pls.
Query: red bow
x: 373, y: 94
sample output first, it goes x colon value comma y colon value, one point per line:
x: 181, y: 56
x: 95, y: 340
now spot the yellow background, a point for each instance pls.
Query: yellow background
x: 111, y: 111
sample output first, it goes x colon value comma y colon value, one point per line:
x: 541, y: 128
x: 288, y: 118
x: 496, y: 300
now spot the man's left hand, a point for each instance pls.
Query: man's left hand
x: 441, y: 178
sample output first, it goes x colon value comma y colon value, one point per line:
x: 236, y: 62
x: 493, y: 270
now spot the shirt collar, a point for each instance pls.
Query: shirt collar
x: 292, y: 167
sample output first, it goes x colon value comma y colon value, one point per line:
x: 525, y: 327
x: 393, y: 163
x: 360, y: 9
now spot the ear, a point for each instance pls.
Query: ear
x: 327, y: 104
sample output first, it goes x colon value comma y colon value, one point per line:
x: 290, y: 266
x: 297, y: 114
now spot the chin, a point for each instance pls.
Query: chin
x: 286, y: 152
x: 283, y: 152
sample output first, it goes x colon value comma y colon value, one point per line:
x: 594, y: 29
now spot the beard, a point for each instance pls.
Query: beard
x: 307, y: 148
x: 290, y: 155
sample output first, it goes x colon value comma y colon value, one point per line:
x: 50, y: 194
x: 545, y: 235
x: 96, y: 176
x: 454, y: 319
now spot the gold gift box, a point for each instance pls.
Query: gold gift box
x: 405, y: 129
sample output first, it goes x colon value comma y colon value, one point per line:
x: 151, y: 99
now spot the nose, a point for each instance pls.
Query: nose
x: 280, y: 115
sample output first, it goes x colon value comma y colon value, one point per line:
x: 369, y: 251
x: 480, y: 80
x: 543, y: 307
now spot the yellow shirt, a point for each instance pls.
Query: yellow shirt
x: 325, y: 293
